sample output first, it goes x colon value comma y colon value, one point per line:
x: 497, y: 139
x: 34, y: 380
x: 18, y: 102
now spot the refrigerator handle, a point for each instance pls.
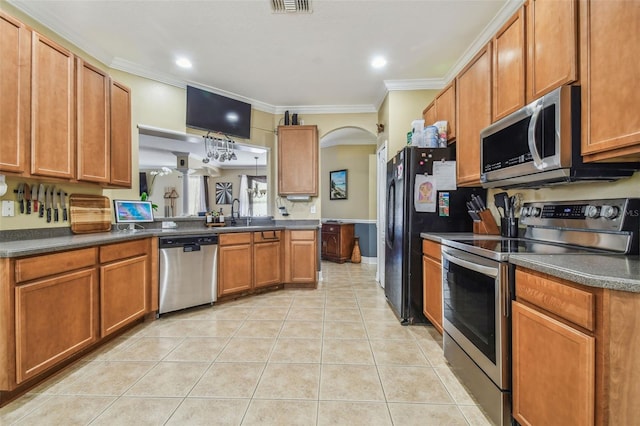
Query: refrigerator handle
x: 391, y: 211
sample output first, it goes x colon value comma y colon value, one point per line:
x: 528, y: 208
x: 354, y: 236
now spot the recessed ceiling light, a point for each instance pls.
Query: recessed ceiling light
x: 183, y: 63
x: 378, y: 62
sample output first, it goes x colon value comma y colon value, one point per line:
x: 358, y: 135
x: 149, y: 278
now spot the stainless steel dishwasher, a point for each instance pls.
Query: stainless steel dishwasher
x: 188, y: 272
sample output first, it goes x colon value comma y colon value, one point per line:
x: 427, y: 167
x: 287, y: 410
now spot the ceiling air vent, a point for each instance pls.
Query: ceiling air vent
x: 291, y: 6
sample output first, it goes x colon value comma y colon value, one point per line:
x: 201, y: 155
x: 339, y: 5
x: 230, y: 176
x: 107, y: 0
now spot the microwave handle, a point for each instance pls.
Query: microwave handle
x: 531, y: 137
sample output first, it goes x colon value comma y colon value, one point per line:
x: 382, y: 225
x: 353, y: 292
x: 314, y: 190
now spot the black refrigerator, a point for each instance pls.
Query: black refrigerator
x: 410, y: 212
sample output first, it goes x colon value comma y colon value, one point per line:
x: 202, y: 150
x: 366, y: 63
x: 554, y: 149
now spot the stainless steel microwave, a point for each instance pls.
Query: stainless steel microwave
x: 539, y: 145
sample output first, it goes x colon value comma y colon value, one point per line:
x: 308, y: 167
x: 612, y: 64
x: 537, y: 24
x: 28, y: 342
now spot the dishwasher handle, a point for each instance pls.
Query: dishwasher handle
x: 188, y: 248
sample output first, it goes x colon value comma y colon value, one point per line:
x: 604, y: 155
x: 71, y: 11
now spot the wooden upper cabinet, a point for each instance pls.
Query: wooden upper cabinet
x: 610, y: 79
x: 473, y: 91
x: 53, y: 108
x: 552, y: 35
x: 446, y: 109
x: 120, y: 134
x: 15, y: 70
x: 429, y: 114
x: 93, y: 140
x: 298, y: 160
x: 509, y: 67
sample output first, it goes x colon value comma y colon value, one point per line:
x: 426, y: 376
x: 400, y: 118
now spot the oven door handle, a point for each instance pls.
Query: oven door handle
x: 471, y: 265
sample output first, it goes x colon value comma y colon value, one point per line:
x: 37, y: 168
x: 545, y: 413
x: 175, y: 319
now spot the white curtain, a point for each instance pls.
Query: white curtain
x: 244, y: 196
x: 196, y: 194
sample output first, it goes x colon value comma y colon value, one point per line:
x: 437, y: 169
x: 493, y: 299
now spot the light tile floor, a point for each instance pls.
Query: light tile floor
x: 331, y: 356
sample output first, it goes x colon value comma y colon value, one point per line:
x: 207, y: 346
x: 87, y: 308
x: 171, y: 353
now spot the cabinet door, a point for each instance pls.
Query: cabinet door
x: 551, y: 44
x: 120, y: 135
x: 446, y: 109
x: 298, y: 160
x: 303, y: 261
x: 267, y: 259
x: 53, y: 109
x: 93, y: 141
x: 508, y: 67
x: 55, y: 318
x: 15, y: 87
x: 432, y: 291
x: 429, y: 114
x: 610, y: 80
x: 235, y: 272
x: 553, y: 371
x: 473, y: 89
x: 123, y: 293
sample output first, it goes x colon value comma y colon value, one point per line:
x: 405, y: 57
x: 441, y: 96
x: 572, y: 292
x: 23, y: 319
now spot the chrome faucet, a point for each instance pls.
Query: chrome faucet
x: 233, y: 211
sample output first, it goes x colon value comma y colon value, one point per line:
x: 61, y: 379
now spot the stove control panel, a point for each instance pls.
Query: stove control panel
x: 605, y: 215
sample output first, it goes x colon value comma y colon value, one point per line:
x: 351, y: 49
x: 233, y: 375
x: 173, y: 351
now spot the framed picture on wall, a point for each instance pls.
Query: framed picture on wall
x: 224, y: 194
x: 338, y: 185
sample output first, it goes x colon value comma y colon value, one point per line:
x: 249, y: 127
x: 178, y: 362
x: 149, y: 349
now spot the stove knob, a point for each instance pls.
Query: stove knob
x: 524, y: 212
x: 535, y: 211
x: 610, y: 212
x: 592, y: 212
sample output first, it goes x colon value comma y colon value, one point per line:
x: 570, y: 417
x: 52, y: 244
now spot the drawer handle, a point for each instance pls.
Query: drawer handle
x: 274, y: 237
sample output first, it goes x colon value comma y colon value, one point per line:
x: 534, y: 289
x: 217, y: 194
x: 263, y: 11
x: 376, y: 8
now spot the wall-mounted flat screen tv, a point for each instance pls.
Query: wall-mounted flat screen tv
x: 210, y: 111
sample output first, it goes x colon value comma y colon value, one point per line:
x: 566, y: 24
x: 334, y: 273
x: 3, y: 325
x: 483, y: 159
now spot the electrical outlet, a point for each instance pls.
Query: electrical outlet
x: 8, y: 208
x: 313, y: 209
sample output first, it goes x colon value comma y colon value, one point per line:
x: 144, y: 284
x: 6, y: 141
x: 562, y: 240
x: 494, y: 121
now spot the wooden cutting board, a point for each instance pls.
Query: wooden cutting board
x: 89, y: 213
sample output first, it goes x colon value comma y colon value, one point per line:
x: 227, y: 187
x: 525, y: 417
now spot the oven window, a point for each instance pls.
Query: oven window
x: 469, y: 304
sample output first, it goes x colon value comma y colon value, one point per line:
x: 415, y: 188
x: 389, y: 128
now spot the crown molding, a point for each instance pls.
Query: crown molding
x: 508, y: 9
x: 415, y: 84
x: 327, y: 109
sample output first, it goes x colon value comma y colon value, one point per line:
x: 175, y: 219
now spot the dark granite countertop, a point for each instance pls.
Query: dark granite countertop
x: 615, y: 272
x: 36, y: 245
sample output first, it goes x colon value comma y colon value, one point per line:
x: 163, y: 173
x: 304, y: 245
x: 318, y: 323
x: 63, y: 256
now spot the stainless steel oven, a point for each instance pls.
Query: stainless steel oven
x: 476, y: 306
x: 478, y: 285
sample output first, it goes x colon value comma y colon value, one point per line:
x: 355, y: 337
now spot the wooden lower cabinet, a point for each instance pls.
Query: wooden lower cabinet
x: 553, y: 370
x: 123, y: 293
x: 267, y: 258
x: 55, y: 318
x: 235, y: 267
x: 432, y: 283
x: 301, y: 254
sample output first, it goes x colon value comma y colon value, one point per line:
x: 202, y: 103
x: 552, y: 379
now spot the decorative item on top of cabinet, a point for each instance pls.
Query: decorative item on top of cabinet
x: 92, y: 121
x: 610, y: 80
x: 552, y: 43
x: 120, y: 102
x: 509, y: 67
x: 337, y: 241
x: 298, y: 160
x: 15, y: 102
x: 473, y: 91
x: 432, y: 283
x: 53, y: 141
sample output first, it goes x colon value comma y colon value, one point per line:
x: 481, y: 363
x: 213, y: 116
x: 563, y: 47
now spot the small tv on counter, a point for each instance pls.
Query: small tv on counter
x: 132, y: 212
x: 217, y: 113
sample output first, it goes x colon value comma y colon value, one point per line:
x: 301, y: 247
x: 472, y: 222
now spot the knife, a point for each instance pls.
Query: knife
x: 41, y: 197
x: 56, y: 199
x: 21, y: 196
x: 49, y: 194
x: 63, y: 204
x: 481, y: 203
x: 34, y: 197
x: 27, y: 197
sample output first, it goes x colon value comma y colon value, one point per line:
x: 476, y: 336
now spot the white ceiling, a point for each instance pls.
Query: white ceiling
x: 315, y: 62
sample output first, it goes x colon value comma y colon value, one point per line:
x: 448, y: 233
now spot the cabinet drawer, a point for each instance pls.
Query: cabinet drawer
x: 113, y: 252
x: 554, y: 296
x: 303, y: 235
x: 234, y: 238
x: 266, y: 236
x: 432, y: 249
x: 330, y: 229
x: 34, y: 267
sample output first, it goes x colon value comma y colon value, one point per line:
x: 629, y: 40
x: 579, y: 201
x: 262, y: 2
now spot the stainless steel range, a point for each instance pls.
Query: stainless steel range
x: 478, y: 285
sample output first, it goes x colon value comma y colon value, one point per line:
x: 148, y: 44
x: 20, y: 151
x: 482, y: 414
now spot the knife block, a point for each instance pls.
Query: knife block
x: 487, y: 225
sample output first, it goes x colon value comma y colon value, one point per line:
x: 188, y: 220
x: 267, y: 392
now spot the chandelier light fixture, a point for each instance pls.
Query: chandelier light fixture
x: 255, y: 192
x: 219, y: 149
